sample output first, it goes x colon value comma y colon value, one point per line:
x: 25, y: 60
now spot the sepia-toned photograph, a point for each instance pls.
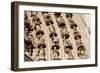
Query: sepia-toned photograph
x: 56, y: 36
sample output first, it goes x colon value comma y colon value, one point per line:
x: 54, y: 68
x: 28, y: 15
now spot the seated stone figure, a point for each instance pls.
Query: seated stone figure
x: 64, y: 33
x: 56, y: 55
x: 57, y: 14
x: 77, y: 36
x: 68, y: 49
x: 53, y: 34
x: 69, y: 15
x: 41, y: 55
x: 72, y: 23
x: 55, y: 40
x: 55, y: 47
